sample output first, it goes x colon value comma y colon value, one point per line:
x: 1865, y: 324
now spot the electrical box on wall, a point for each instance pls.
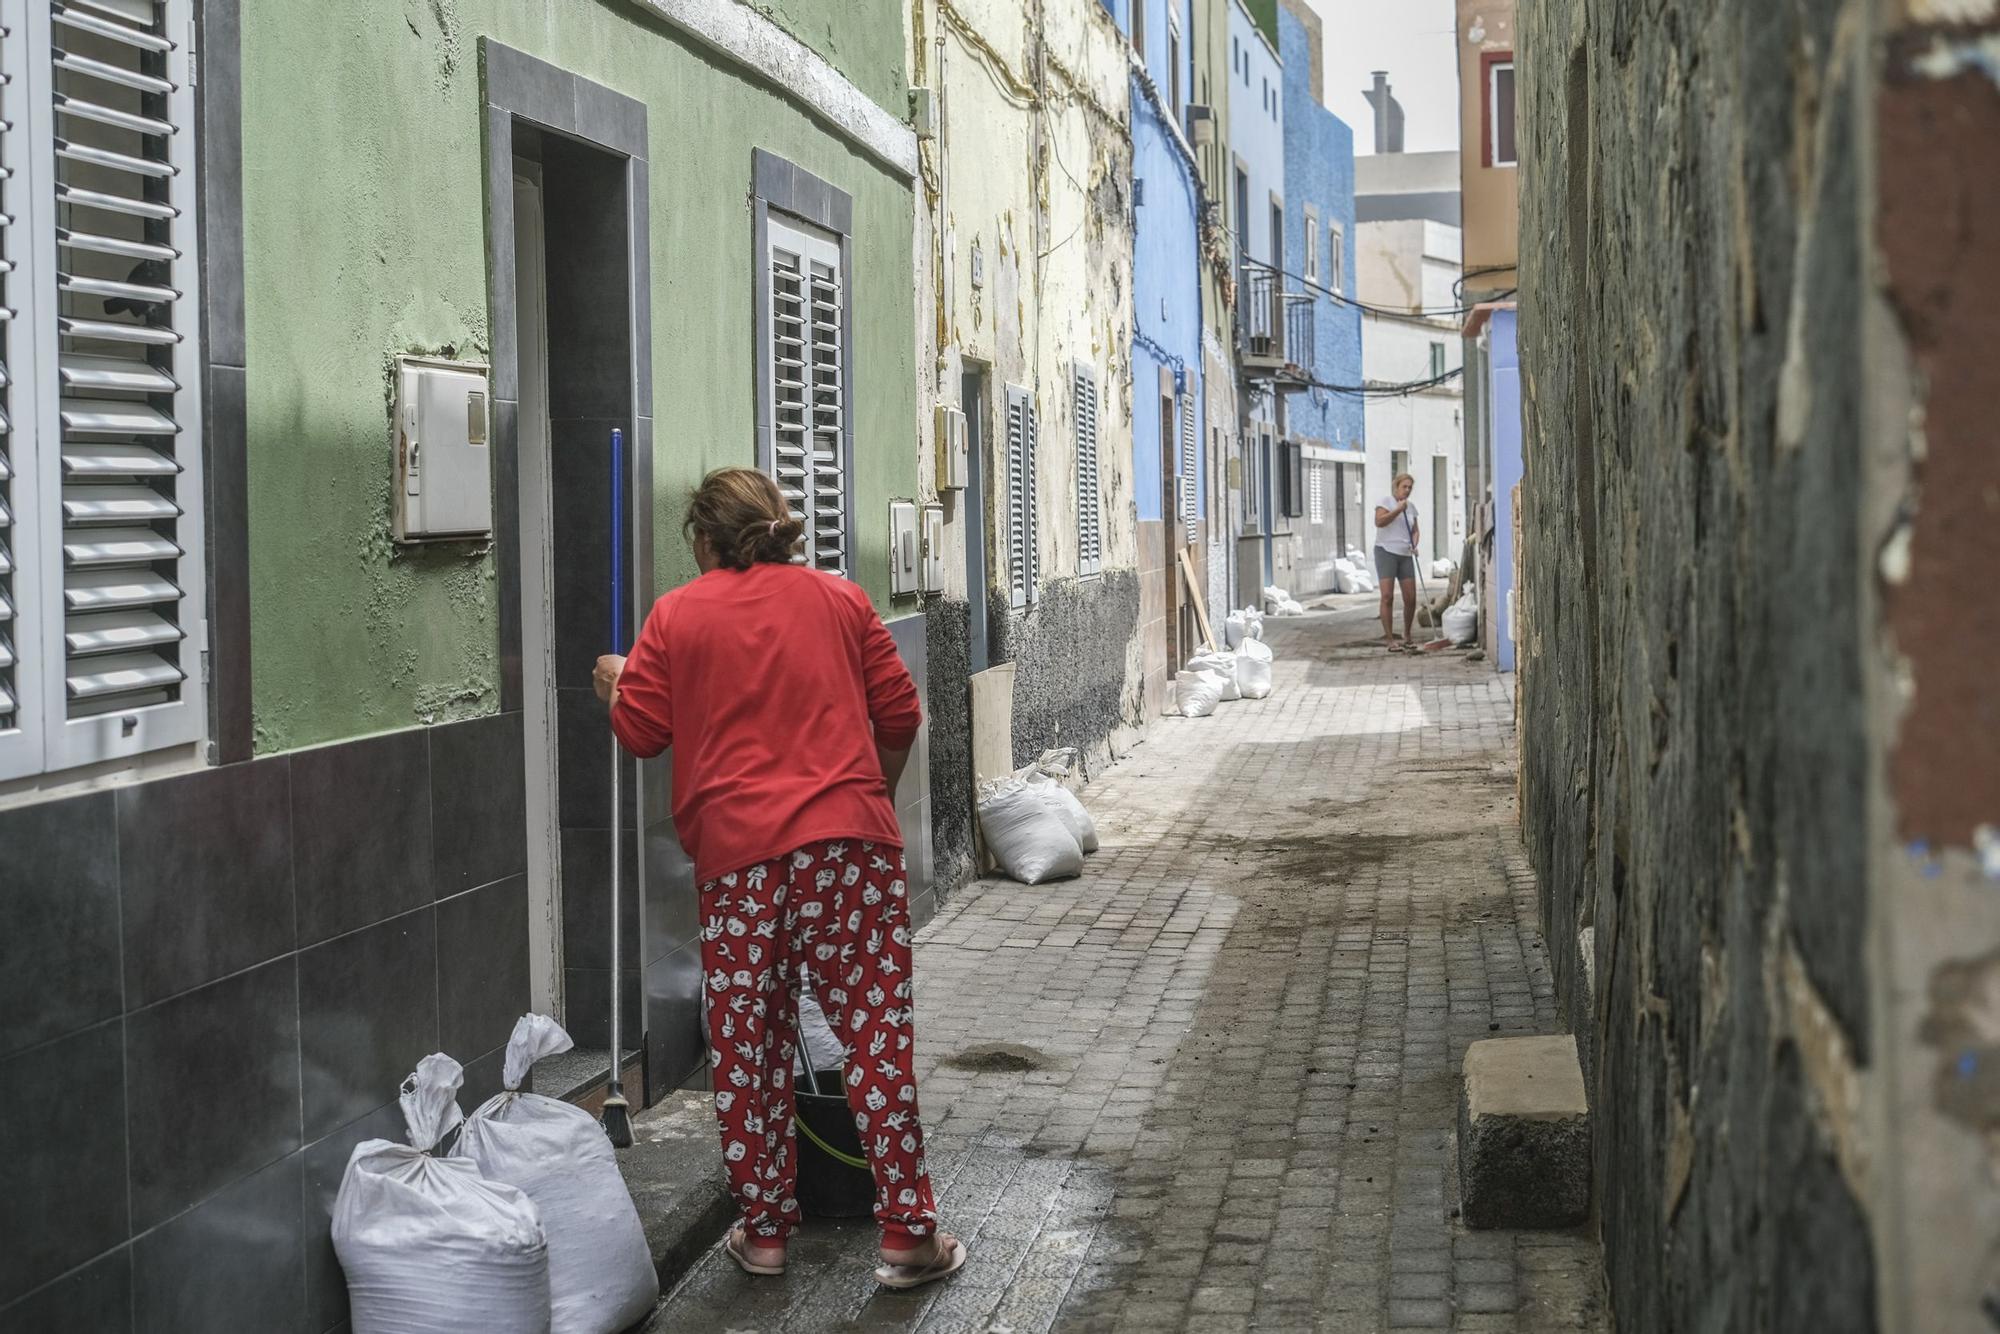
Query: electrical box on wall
x: 444, y: 462
x: 903, y: 553
x: 951, y: 459
x: 932, y: 580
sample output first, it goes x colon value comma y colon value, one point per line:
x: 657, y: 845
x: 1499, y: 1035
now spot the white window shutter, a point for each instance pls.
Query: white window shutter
x: 101, y: 197
x: 807, y: 412
x: 1032, y: 502
x: 1021, y: 510
x: 1188, y: 514
x: 1089, y: 498
x: 21, y: 651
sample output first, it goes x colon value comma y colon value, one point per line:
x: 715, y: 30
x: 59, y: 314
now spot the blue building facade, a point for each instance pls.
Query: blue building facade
x: 1324, y: 427
x: 1168, y: 454
x: 1256, y: 211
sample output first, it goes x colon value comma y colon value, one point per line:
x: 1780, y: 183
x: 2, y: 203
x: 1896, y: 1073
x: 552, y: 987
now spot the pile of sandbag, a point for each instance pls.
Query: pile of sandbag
x: 1444, y: 567
x: 525, y: 1227
x: 1215, y: 677
x: 1352, y: 573
x: 1035, y: 827
x: 1241, y: 625
x: 1278, y: 602
x: 1461, y: 618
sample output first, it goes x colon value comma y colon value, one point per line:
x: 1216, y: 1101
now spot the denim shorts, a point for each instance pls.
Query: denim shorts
x: 1390, y: 565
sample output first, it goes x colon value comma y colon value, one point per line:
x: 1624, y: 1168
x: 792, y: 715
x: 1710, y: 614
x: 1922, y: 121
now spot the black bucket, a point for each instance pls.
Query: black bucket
x: 834, y: 1180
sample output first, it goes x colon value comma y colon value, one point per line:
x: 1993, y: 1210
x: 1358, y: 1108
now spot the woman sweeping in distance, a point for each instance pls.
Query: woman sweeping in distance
x: 791, y: 716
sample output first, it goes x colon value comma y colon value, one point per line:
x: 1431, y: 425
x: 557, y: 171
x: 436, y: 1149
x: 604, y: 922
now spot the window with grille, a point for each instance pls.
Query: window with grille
x: 806, y: 347
x: 1089, y: 496
x: 1189, y: 519
x: 1023, y: 559
x: 1315, y: 500
x: 1291, y: 456
x: 101, y: 594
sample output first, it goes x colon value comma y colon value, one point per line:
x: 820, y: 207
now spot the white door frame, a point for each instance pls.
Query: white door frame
x: 538, y: 676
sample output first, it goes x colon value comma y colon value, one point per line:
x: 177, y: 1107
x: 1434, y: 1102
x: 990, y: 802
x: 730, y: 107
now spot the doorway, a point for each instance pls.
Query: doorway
x: 972, y: 515
x: 573, y: 285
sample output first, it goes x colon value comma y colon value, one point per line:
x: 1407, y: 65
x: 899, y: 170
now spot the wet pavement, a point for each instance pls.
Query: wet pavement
x: 1212, y: 1084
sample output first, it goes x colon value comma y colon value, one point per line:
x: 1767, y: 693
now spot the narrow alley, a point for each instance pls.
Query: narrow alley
x: 1212, y: 1085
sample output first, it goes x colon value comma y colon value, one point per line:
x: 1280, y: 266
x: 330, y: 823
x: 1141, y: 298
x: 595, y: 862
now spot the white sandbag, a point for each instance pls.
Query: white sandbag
x: 1254, y: 620
x: 1026, y: 836
x: 1070, y: 810
x: 1234, y: 629
x: 428, y: 1244
x: 1223, y: 664
x: 1443, y: 568
x: 1280, y: 603
x: 1197, y: 693
x: 601, y: 1277
x: 1253, y: 670
x: 1461, y: 618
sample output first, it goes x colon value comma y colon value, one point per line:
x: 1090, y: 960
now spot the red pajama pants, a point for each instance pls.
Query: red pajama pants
x: 840, y: 912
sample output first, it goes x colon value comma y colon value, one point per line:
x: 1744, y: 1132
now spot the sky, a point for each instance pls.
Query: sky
x: 1412, y: 39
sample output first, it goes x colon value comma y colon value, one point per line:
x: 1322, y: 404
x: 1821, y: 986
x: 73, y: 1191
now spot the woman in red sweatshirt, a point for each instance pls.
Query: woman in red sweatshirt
x: 791, y: 715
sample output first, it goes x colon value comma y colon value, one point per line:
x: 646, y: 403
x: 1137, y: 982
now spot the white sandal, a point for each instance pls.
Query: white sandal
x: 949, y: 1260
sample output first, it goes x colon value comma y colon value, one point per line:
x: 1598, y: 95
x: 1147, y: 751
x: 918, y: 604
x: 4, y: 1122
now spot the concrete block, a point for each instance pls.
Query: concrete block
x: 1523, y: 1134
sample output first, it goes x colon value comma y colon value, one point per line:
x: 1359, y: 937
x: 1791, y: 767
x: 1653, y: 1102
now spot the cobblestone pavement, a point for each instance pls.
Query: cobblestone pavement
x: 1211, y: 1086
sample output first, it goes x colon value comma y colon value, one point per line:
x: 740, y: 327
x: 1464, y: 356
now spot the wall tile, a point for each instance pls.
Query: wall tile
x: 675, y: 1047
x: 62, y: 1157
x: 235, y: 1262
x: 586, y: 897
x: 212, y: 1088
x: 672, y: 909
x: 483, y: 1076
x: 59, y: 903
x: 583, y: 760
x: 479, y: 816
x: 361, y: 824
x: 587, y: 1007
x: 482, y: 967
x: 205, y: 864
x: 325, y: 1163
x: 368, y: 1012
x: 96, y: 1299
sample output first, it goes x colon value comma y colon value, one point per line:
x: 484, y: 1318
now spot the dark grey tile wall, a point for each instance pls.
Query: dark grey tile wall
x: 913, y: 793
x: 296, y: 933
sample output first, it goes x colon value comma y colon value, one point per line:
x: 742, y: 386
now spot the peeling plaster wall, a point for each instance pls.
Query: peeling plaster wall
x: 1030, y: 185
x: 364, y: 237
x: 1757, y: 702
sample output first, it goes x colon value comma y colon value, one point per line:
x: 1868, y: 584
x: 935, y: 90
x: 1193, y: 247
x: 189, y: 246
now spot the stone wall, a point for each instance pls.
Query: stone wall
x: 1726, y: 463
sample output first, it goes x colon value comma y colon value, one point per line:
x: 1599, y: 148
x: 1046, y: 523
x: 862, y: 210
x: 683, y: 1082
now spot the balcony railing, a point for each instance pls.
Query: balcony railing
x: 1274, y: 327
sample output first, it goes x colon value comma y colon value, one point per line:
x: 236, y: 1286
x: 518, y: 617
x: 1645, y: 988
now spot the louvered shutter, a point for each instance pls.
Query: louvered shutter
x: 20, y: 637
x: 1021, y: 507
x: 1188, y: 515
x: 1089, y: 499
x: 1315, y: 498
x: 808, y: 415
x: 102, y: 203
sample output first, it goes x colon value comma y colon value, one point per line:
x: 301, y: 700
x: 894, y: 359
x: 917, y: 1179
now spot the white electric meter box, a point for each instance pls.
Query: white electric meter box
x: 932, y: 580
x: 444, y: 460
x: 903, y: 555
x: 951, y: 449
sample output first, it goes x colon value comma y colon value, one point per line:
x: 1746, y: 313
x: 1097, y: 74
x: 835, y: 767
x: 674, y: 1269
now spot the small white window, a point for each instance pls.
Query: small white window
x: 805, y: 347
x: 1023, y: 533
x: 1500, y: 145
x: 102, y: 597
x: 1173, y: 60
x: 1310, y: 259
x: 1089, y: 497
x: 1336, y: 258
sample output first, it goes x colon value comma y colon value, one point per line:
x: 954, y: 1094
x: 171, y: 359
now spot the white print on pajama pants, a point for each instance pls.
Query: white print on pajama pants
x: 841, y: 911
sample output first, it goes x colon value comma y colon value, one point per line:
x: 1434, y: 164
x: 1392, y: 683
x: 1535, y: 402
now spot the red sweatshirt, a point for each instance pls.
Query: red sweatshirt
x: 774, y: 685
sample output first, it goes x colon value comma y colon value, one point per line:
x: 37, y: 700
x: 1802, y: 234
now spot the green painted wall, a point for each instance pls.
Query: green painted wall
x: 364, y: 237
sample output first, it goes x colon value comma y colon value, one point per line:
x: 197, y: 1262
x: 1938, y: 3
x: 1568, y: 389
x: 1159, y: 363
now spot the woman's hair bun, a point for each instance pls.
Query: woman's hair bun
x: 743, y: 515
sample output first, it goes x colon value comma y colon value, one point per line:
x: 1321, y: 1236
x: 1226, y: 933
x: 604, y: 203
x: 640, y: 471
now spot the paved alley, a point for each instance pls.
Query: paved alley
x: 1211, y: 1086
